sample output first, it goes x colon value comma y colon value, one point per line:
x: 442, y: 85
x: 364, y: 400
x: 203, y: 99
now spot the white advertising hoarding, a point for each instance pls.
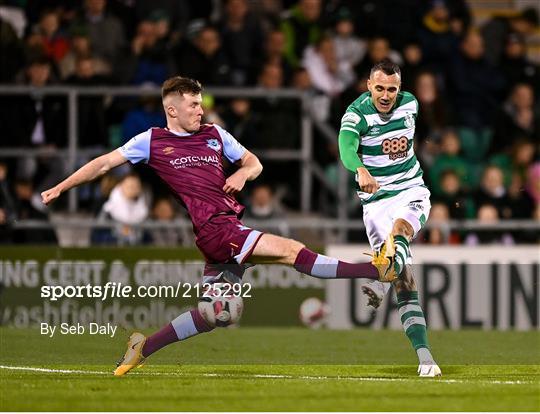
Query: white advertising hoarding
x: 488, y: 287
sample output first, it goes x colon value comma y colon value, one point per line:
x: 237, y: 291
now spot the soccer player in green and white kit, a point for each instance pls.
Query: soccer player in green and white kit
x: 376, y: 143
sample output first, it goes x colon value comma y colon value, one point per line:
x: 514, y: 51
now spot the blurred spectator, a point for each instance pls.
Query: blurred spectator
x: 164, y: 213
x: 349, y: 48
x: 412, y: 65
x: 274, y: 53
x: 81, y: 47
x: 12, y: 52
x: 518, y: 118
x: 242, y: 39
x: 520, y: 203
x: 34, y: 47
x: 433, y: 115
x: 14, y: 16
x: 459, y: 204
x: 378, y: 49
x: 326, y: 72
x: 515, y: 65
x: 302, y: 27
x: 204, y: 60
x: 474, y: 85
x: 497, y: 30
x: 127, y: 205
x: 278, y: 128
x: 92, y: 127
x: 106, y: 32
x: 437, y: 38
x: 318, y: 103
x: 66, y: 9
x: 29, y: 207
x: 439, y: 231
x: 516, y: 159
x: 449, y: 159
x: 263, y: 205
x: 103, y: 192
x: 55, y: 43
x: 8, y: 211
x: 268, y: 13
x: 373, y: 18
x: 533, y: 183
x: 460, y: 16
x: 149, y: 58
x: 178, y: 13
x: 147, y: 114
x: 488, y: 214
x: 36, y: 121
x: 241, y: 122
x: 492, y: 190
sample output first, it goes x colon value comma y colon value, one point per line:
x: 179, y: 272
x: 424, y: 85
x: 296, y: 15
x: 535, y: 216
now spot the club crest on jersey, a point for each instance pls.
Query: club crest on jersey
x: 409, y: 120
x: 214, y: 144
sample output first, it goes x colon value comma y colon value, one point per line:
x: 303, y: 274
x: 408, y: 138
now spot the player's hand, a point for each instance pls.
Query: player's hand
x: 366, y: 182
x: 50, y: 195
x: 235, y: 183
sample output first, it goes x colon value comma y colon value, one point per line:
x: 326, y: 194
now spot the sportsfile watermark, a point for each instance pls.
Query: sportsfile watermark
x: 68, y: 303
x: 113, y: 290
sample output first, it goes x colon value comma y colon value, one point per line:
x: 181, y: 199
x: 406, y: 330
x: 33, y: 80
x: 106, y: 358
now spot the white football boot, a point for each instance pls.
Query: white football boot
x: 429, y: 369
x: 375, y: 292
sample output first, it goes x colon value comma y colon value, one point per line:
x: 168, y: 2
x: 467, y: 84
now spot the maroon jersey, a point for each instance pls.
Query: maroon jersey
x: 192, y: 166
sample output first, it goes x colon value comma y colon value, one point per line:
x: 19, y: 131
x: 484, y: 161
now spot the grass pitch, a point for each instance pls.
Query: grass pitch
x: 273, y: 370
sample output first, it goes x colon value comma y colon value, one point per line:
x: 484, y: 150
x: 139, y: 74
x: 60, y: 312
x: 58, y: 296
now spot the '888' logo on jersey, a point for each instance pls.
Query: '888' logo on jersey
x: 395, y: 148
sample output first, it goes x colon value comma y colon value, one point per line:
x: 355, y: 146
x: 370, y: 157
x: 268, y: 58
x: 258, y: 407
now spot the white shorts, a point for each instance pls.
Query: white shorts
x: 411, y: 205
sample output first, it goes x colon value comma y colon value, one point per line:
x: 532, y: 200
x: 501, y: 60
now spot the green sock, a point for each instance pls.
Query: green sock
x: 402, y: 253
x: 412, y: 319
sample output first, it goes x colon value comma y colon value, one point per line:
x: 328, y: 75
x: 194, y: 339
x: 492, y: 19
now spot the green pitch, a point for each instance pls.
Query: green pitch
x: 273, y: 369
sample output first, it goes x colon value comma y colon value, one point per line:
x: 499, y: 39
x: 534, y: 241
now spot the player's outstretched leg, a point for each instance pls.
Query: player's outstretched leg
x: 410, y: 312
x: 186, y: 325
x: 276, y: 249
x: 414, y: 323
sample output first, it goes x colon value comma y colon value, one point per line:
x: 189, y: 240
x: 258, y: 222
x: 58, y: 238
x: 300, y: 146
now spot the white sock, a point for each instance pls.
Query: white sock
x: 424, y: 355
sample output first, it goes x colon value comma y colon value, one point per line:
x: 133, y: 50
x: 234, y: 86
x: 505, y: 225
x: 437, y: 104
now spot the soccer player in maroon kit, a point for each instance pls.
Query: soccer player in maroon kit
x: 187, y: 156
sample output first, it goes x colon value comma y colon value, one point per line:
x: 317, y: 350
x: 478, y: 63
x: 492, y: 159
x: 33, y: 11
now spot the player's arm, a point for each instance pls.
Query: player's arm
x: 88, y: 172
x: 349, y: 140
x: 250, y: 168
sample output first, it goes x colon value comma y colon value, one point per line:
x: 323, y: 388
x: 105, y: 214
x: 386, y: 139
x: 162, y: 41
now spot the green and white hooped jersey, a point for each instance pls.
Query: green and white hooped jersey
x: 386, y: 143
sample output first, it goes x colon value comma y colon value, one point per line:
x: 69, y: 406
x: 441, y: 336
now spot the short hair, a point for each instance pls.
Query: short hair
x: 387, y: 67
x: 181, y: 85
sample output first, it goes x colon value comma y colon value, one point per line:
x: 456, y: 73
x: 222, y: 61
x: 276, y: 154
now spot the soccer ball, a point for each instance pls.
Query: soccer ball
x: 313, y: 312
x: 221, y: 311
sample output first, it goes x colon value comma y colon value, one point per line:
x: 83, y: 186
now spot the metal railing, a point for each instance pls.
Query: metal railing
x: 293, y: 223
x: 309, y: 170
x: 77, y: 231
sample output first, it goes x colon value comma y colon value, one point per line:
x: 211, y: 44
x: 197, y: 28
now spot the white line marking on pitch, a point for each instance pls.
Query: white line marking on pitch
x: 263, y: 376
x: 52, y: 371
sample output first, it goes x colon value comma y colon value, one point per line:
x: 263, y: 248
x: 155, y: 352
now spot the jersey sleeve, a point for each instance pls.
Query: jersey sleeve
x: 232, y: 149
x: 137, y: 149
x: 353, y: 126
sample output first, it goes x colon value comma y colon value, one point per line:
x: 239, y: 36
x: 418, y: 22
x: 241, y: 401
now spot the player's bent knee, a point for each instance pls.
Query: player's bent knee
x: 403, y: 228
x: 219, y: 311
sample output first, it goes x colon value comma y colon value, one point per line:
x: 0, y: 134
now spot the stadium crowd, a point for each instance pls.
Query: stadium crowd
x: 477, y: 133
